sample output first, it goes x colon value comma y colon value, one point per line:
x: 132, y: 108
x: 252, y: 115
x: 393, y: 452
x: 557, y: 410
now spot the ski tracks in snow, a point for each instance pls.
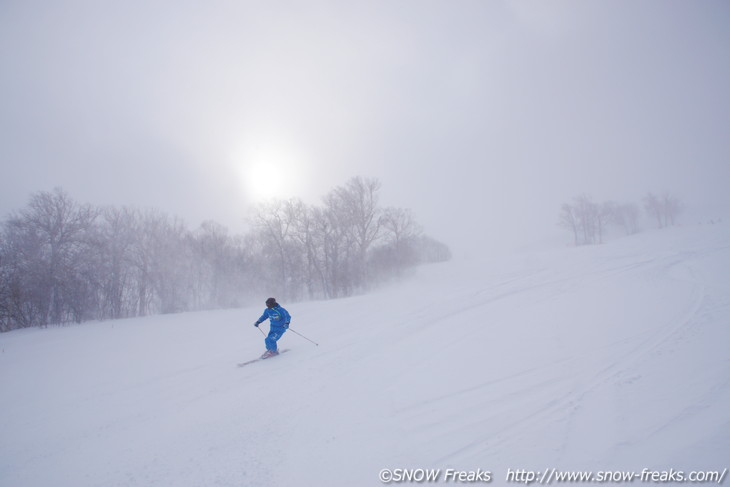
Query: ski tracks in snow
x: 597, y: 399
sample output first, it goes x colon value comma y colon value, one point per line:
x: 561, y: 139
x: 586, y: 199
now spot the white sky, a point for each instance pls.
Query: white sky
x: 481, y: 116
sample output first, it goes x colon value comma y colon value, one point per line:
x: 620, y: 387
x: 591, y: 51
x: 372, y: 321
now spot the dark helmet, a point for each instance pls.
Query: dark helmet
x: 271, y: 302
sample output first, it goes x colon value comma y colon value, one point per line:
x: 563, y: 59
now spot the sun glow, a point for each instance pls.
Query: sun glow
x: 269, y: 173
x: 265, y: 179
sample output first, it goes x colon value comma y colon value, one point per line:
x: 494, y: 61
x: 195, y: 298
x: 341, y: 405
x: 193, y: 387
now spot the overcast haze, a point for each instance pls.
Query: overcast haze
x: 482, y: 117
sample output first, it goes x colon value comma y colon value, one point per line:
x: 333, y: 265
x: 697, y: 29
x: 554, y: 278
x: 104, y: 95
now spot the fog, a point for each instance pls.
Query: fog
x: 481, y: 117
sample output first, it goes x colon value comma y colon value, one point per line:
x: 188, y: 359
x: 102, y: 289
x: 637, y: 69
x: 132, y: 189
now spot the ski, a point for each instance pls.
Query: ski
x: 261, y: 358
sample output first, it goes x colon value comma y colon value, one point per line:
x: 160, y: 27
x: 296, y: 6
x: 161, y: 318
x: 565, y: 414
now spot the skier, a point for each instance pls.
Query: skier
x: 279, y: 320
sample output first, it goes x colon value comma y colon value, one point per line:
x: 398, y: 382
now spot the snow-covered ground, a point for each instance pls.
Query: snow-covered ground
x: 603, y: 357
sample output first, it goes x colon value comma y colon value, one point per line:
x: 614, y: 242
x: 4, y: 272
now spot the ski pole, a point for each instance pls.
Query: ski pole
x: 290, y: 329
x: 262, y: 331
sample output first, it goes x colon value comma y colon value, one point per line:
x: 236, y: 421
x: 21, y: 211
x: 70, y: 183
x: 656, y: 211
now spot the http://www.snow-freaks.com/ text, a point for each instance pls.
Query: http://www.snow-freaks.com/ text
x: 549, y: 476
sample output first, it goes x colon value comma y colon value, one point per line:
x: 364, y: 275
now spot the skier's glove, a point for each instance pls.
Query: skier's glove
x: 257, y: 324
x: 286, y: 325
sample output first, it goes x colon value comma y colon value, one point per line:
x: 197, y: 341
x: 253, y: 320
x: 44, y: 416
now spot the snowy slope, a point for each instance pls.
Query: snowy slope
x: 604, y: 357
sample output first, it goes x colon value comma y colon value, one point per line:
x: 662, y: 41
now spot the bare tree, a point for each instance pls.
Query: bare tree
x: 603, y: 216
x: 322, y: 250
x: 51, y: 235
x: 305, y: 234
x: 654, y: 208
x: 627, y: 217
x: 401, y: 231
x: 586, y: 219
x: 339, y: 247
x: 277, y: 223
x: 171, y: 263
x: 211, y: 264
x: 116, y: 234
x: 6, y: 291
x: 358, y: 202
x: 569, y: 220
x: 664, y: 208
x: 162, y: 267
x: 143, y: 261
x: 671, y: 207
x: 23, y: 270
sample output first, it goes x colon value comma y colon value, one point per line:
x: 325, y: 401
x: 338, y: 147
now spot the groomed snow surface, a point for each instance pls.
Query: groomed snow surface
x: 591, y: 358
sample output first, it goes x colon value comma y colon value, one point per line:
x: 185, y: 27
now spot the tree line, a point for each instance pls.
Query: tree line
x: 62, y: 261
x: 588, y: 221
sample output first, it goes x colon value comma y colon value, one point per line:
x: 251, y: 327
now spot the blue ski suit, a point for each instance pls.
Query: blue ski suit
x: 279, y: 319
